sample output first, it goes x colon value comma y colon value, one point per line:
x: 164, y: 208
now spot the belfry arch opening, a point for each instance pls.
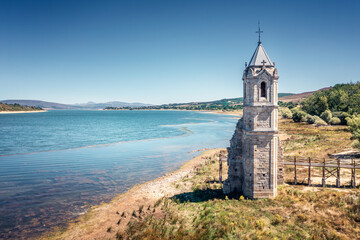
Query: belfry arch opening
x: 263, y: 90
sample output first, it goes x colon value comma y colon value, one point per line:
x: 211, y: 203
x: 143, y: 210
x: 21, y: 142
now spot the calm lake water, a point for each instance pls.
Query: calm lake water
x: 54, y: 165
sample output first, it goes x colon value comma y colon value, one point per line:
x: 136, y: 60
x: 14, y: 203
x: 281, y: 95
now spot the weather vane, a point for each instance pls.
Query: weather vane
x: 259, y: 32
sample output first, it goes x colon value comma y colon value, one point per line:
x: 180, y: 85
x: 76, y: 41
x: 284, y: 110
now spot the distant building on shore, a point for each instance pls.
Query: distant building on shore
x: 255, y: 156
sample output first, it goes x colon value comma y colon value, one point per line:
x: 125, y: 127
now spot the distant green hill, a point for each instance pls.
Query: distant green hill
x: 38, y: 103
x: 17, y: 107
x: 225, y: 104
x: 280, y: 95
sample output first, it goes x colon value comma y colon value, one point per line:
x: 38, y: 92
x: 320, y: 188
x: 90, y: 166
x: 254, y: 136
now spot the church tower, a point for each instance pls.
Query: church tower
x: 255, y: 154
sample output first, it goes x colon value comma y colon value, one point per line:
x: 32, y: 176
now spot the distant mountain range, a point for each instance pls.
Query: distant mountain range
x: 93, y: 105
x: 58, y: 106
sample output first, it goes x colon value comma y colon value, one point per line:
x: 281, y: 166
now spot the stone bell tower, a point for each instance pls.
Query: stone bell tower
x: 255, y: 155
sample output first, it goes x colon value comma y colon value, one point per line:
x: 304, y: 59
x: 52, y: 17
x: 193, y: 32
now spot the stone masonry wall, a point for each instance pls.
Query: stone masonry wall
x: 248, y: 158
x: 235, y: 172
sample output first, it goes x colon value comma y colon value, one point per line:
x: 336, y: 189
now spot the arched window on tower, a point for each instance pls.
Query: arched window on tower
x: 263, y: 89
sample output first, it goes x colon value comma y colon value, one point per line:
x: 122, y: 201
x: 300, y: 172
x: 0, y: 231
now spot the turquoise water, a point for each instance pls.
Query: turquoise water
x: 54, y: 165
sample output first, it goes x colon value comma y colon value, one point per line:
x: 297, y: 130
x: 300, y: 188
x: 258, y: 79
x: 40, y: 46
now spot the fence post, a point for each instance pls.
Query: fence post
x: 338, y: 173
x: 323, y: 178
x: 309, y: 176
x: 295, y: 178
x: 353, y: 183
x: 220, y: 168
x: 354, y: 173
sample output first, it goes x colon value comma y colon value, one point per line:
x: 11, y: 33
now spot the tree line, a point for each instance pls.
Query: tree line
x: 224, y: 107
x: 339, y: 105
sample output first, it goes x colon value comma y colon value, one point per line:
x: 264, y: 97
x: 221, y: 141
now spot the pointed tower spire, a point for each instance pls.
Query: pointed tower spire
x: 260, y: 57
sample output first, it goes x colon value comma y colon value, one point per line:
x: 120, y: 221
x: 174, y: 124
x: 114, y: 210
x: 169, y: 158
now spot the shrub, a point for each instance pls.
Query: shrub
x: 335, y: 121
x: 286, y: 113
x: 343, y: 117
x: 326, y: 116
x: 336, y: 114
x: 289, y: 105
x: 354, y: 126
x: 310, y: 119
x: 299, y: 115
x: 319, y: 121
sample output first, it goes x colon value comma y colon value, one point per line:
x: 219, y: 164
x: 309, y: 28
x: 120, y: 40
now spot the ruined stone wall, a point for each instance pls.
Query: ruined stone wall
x: 234, y: 161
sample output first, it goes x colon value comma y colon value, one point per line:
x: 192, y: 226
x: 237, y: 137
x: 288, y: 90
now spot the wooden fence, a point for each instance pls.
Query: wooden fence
x: 329, y: 167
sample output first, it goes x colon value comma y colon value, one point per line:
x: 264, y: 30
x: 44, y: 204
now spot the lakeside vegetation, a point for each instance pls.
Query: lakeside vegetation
x: 4, y: 107
x: 339, y: 105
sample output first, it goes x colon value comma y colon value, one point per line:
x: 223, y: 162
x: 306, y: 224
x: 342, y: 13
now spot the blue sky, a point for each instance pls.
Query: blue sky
x: 170, y: 51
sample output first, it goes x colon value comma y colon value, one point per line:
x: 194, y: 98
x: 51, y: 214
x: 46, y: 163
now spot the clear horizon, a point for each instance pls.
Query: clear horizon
x: 163, y: 52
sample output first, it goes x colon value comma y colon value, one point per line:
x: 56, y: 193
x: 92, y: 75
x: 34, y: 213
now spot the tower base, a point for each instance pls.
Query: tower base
x: 255, y: 161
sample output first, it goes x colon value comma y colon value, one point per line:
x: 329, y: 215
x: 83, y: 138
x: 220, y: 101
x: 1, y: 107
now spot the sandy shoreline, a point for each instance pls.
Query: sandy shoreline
x: 94, y: 223
x: 13, y: 112
x: 231, y: 113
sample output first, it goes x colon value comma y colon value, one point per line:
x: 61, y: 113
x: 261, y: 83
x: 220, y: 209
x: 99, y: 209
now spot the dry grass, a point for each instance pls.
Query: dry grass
x: 308, y: 140
x: 302, y: 140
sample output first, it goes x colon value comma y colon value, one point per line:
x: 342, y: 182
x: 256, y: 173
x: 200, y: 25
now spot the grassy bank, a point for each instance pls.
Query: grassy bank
x: 189, y: 204
x: 207, y: 214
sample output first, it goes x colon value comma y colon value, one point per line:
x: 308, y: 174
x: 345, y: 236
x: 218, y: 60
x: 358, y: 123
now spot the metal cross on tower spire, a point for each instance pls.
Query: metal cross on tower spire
x: 259, y: 32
